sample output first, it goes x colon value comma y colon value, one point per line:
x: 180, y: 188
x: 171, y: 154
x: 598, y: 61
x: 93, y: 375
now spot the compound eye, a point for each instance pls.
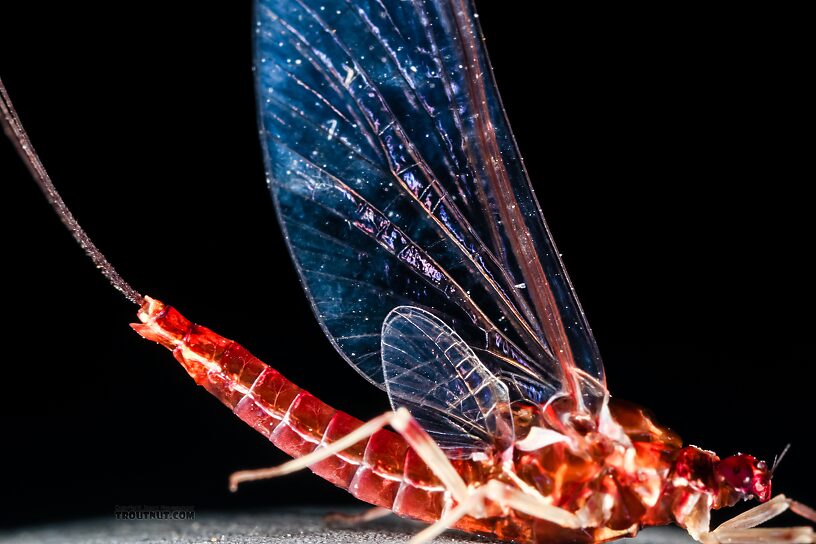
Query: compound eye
x: 738, y: 472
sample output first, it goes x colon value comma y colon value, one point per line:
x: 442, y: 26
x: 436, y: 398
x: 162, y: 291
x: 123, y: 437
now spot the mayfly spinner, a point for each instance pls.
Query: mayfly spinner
x: 427, y: 261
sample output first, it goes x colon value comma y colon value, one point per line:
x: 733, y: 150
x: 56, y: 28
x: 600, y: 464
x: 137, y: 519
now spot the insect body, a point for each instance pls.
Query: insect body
x: 568, y: 480
x: 425, y: 257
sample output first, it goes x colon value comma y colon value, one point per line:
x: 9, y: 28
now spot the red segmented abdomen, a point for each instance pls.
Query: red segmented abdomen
x: 381, y: 470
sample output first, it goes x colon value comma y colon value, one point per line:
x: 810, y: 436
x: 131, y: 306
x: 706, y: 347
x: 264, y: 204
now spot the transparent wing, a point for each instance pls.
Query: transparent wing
x: 431, y: 371
x: 397, y: 182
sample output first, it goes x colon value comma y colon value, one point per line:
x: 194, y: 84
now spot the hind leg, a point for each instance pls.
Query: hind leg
x: 370, y: 514
x: 506, y: 497
x: 401, y: 421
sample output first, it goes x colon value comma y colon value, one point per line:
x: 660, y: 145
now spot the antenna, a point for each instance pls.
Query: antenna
x: 778, y: 458
x: 17, y: 134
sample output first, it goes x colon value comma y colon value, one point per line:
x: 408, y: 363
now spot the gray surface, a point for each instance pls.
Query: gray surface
x: 257, y: 528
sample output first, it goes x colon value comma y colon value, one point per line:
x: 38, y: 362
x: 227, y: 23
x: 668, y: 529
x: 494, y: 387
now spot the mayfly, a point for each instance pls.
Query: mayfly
x: 426, y: 259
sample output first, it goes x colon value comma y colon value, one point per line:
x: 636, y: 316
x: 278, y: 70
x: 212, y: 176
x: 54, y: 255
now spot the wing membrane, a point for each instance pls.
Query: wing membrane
x: 397, y: 183
x: 430, y: 370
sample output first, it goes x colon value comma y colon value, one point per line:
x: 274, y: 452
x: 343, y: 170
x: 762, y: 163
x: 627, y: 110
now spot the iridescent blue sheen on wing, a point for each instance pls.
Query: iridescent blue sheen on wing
x: 398, y: 183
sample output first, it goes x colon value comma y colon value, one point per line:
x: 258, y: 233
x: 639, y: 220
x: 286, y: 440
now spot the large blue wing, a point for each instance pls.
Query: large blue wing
x: 398, y: 183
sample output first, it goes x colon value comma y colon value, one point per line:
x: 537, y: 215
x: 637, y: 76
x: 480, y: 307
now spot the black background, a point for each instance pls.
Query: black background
x: 669, y: 154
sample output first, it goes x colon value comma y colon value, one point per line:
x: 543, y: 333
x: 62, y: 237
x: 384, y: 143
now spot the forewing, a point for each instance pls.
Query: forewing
x: 431, y: 371
x: 397, y: 182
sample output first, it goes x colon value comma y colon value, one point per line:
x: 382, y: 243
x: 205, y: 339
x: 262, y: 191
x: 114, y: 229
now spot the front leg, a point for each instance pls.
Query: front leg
x: 742, y: 529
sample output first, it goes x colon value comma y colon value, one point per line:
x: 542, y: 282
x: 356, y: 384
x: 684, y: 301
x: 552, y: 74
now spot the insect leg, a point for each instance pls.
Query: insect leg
x: 364, y: 431
x: 531, y: 505
x: 775, y: 535
x: 803, y: 510
x: 742, y: 528
x: 756, y: 515
x: 473, y: 503
x: 370, y: 514
x: 402, y: 422
x: 505, y: 496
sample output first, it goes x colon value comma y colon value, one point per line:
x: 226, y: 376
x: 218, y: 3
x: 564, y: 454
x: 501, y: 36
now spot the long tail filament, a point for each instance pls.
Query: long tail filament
x: 13, y: 128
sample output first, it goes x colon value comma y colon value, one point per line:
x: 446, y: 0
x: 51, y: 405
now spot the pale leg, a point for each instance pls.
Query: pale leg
x: 742, y: 529
x: 803, y: 510
x: 475, y: 501
x: 506, y: 497
x: 402, y: 422
x: 756, y: 515
x: 370, y: 514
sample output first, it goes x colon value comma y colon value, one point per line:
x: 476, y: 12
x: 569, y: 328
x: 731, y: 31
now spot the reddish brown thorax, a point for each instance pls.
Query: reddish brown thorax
x: 629, y: 471
x: 614, y: 472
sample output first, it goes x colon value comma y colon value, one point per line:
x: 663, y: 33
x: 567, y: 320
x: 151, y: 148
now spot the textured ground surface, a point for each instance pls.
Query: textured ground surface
x: 255, y: 528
